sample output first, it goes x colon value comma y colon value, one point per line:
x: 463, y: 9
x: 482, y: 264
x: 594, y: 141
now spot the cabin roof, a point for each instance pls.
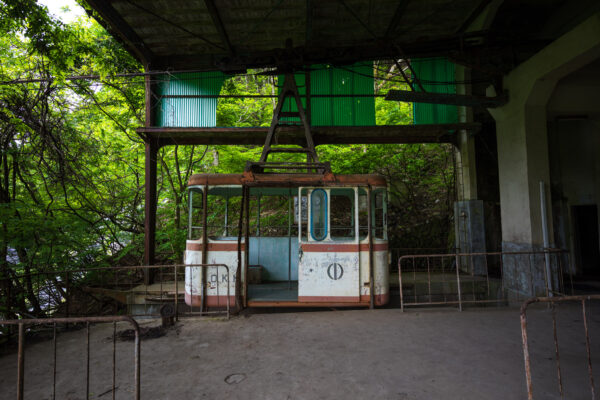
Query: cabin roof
x: 288, y: 179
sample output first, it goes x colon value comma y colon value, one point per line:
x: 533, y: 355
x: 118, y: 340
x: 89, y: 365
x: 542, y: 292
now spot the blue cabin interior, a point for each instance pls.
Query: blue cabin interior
x: 273, y: 241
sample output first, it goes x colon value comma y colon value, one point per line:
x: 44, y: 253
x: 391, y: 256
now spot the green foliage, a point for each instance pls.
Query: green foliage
x: 72, y: 165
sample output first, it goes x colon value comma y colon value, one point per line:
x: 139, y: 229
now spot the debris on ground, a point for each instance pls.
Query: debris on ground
x: 152, y: 332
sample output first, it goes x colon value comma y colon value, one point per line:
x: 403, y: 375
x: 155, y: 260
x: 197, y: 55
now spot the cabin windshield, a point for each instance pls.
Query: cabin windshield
x: 223, y: 211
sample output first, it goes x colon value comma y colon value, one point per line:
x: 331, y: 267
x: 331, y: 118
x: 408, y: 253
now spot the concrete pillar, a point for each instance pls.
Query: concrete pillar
x: 523, y: 161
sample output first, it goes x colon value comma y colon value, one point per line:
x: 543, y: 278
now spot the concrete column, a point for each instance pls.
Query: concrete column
x: 522, y: 137
x: 522, y: 162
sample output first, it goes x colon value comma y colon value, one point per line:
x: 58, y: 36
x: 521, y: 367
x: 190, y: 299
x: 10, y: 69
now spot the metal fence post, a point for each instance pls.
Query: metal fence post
x: 458, y: 283
x: 87, y: 320
x: 176, y: 295
x: 21, y: 363
x: 526, y: 350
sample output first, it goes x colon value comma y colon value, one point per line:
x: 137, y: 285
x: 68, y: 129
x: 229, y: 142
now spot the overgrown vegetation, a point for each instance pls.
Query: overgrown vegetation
x: 72, y: 166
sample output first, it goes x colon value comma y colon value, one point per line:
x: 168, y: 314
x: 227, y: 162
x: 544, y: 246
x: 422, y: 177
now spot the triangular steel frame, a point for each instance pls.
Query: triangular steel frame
x: 289, y: 90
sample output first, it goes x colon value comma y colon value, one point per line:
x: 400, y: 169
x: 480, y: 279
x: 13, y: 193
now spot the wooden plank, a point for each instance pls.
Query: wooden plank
x: 447, y: 99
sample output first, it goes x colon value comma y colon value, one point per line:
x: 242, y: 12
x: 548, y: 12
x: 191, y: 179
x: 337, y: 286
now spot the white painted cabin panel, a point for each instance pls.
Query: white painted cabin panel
x: 324, y: 276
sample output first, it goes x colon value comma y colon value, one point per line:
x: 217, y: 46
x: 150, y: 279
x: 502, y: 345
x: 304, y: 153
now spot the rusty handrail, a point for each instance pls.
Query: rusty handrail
x: 228, y: 287
x: 462, y: 298
x: 552, y: 301
x: 175, y: 268
x: 21, y: 323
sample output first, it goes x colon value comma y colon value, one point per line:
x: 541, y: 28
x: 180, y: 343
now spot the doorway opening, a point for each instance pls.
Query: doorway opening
x: 273, y: 250
x: 587, y: 241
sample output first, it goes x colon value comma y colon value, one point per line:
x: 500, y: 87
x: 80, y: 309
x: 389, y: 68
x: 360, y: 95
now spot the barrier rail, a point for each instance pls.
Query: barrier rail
x: 552, y: 301
x: 53, y: 291
x: 22, y: 323
x: 478, y: 278
x: 397, y: 252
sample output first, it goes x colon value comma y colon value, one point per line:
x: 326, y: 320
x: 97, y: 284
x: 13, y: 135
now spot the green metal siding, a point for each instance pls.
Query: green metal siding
x: 437, y: 76
x: 342, y: 111
x: 188, y: 112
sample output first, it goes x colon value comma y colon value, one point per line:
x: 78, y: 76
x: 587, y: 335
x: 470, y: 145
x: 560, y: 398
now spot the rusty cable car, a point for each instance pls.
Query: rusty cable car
x: 292, y: 234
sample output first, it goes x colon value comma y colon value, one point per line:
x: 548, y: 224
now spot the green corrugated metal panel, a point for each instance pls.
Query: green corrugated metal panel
x: 188, y: 112
x: 342, y: 111
x: 290, y: 104
x: 437, y: 76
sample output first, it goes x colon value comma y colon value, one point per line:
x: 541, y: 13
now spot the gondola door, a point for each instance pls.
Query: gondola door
x: 329, y: 267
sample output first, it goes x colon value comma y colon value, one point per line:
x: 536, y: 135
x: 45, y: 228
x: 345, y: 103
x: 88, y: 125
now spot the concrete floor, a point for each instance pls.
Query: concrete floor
x: 352, y: 354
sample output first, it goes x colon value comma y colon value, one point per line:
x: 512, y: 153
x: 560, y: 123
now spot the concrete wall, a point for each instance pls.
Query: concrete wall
x: 523, y: 145
x: 574, y: 137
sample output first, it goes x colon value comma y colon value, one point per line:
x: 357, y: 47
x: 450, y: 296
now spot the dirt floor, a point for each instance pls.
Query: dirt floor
x: 355, y: 354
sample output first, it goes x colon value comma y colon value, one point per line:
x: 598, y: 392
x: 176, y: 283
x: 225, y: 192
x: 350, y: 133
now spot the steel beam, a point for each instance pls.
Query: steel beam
x: 383, y: 134
x: 373, y: 49
x: 123, y: 29
x: 395, y: 21
x: 216, y: 19
x: 447, y: 99
x: 150, y: 208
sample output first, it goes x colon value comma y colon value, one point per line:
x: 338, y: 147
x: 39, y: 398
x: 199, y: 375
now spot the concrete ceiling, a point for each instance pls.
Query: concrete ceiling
x: 233, y: 35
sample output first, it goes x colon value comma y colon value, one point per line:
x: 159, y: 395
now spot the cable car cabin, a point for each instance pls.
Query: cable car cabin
x: 303, y: 241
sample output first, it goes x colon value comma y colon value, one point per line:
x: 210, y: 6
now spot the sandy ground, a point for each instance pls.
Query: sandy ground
x: 356, y: 354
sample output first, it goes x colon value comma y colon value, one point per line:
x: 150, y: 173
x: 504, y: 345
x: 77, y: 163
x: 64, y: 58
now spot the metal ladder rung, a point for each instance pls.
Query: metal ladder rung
x: 289, y: 150
x: 289, y: 114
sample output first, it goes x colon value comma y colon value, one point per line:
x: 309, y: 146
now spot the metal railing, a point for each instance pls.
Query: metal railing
x: 479, y: 278
x: 209, y: 283
x: 53, y: 291
x: 552, y: 301
x: 23, y: 323
x: 397, y: 252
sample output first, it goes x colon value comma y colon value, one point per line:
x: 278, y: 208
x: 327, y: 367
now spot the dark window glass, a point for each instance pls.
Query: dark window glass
x: 195, y: 214
x: 318, y: 214
x: 379, y: 208
x: 342, y: 214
